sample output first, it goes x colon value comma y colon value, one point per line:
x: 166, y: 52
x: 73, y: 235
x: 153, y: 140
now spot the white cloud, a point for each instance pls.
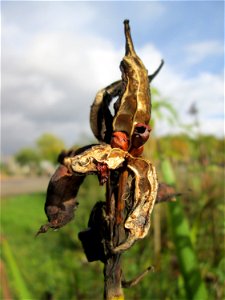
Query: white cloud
x: 50, y: 78
x: 199, y: 51
x: 52, y: 83
x: 206, y: 90
x: 16, y: 132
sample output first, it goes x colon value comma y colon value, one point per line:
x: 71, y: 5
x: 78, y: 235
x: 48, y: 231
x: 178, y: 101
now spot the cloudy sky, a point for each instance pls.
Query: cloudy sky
x: 57, y: 55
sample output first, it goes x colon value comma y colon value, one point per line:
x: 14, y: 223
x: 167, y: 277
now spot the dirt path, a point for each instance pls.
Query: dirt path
x: 15, y: 186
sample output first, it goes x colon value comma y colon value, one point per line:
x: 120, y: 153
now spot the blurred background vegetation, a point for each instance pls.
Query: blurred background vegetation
x: 186, y: 239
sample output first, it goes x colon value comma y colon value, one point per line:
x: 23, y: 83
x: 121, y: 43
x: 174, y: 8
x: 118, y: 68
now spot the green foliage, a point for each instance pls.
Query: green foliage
x: 18, y: 280
x: 49, y: 147
x: 54, y: 263
x: 4, y: 169
x: 27, y: 156
x: 195, y: 287
x: 197, y: 173
x: 182, y: 148
x: 49, y: 263
x: 162, y: 109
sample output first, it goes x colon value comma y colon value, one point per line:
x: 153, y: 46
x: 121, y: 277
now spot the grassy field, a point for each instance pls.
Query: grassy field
x: 53, y: 265
x: 47, y: 264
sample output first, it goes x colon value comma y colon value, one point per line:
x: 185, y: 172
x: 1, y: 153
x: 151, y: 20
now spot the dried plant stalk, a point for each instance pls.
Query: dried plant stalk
x: 131, y: 180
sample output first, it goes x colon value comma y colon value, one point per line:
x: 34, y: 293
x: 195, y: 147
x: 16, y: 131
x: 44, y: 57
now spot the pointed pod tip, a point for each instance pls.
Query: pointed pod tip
x: 129, y: 43
x: 126, y: 24
x: 37, y: 234
x: 43, y: 229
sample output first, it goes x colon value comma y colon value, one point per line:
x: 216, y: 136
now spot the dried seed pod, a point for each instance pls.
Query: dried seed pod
x: 143, y: 192
x: 135, y: 102
x: 140, y: 136
x: 61, y: 194
x: 100, y: 116
x: 144, y: 197
x: 61, y: 198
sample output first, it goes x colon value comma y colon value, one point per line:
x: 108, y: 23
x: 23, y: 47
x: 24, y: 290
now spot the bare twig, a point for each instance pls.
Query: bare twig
x: 137, y: 279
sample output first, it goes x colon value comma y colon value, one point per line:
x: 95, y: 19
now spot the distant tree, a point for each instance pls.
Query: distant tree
x: 49, y: 146
x: 27, y: 156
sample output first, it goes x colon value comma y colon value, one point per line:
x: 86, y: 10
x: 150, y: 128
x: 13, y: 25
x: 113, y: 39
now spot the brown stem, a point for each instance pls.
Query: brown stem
x: 112, y: 266
x: 121, y: 195
x: 112, y: 278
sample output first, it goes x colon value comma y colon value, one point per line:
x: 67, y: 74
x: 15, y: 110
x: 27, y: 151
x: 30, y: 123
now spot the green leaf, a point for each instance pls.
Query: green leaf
x: 194, y: 285
x: 20, y: 285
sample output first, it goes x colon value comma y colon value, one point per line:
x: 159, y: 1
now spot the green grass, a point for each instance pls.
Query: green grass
x: 54, y: 263
x: 48, y: 263
x: 19, y: 283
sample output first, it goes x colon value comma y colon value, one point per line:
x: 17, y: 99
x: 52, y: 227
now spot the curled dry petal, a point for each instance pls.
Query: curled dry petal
x: 89, y: 161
